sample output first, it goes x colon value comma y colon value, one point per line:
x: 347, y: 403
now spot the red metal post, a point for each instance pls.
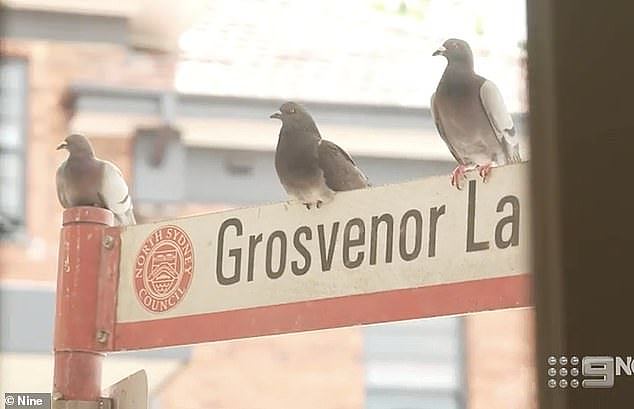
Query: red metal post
x: 77, y: 360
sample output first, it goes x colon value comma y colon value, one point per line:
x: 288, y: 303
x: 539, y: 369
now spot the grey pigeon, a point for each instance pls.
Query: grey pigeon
x: 310, y: 168
x: 85, y: 180
x: 470, y: 115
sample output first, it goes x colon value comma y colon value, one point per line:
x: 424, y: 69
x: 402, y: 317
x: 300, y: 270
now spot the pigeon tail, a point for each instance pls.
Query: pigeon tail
x: 515, y: 158
x: 126, y: 219
x: 512, y: 153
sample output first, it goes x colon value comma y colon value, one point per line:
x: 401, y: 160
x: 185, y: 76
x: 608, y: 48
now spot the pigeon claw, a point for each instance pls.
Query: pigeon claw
x: 485, y: 171
x: 457, y: 176
x: 310, y: 205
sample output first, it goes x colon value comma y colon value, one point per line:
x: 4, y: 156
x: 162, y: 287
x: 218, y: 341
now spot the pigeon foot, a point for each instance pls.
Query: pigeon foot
x: 457, y: 176
x: 485, y: 171
x: 316, y: 204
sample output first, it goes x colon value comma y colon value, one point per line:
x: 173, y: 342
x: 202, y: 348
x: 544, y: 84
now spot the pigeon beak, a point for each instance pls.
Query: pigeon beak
x: 62, y: 145
x: 440, y: 51
x: 276, y: 115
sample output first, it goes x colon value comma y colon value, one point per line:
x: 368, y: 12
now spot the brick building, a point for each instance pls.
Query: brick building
x: 98, y: 71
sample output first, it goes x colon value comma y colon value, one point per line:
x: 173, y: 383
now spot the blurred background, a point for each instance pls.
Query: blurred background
x: 178, y: 94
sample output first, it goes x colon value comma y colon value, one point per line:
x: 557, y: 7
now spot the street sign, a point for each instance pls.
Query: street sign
x: 130, y: 392
x: 404, y: 251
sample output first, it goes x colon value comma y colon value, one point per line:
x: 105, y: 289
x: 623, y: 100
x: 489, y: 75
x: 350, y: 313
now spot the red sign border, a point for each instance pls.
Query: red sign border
x: 396, y: 305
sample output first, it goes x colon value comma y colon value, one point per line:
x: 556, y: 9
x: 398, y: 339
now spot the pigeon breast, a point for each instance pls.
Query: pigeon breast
x: 463, y: 123
x: 78, y: 183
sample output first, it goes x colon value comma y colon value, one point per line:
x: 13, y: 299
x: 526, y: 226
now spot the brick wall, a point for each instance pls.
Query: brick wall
x: 52, y: 66
x: 320, y: 370
x: 500, y: 360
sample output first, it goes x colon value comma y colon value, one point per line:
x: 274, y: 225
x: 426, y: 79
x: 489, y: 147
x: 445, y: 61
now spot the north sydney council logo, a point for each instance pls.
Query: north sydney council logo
x: 163, y: 269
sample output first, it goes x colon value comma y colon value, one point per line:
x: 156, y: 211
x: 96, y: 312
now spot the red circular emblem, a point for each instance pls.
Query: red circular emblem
x: 163, y: 269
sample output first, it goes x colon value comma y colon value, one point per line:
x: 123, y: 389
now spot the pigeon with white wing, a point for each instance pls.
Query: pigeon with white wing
x: 470, y: 115
x: 85, y: 180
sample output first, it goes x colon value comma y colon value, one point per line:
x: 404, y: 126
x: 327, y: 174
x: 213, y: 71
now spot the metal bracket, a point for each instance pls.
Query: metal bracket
x: 102, y: 403
x: 105, y: 403
x: 108, y: 241
x: 102, y: 336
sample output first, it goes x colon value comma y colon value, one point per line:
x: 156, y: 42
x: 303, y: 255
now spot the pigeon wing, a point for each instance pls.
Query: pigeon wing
x: 114, y: 194
x: 500, y: 120
x: 441, y: 131
x: 340, y: 171
x: 61, y: 186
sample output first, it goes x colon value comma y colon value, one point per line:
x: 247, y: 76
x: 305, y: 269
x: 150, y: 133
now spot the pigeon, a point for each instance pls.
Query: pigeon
x: 85, y: 180
x: 311, y: 169
x: 470, y: 115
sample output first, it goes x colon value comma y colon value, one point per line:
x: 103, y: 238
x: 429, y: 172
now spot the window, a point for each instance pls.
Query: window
x: 13, y: 110
x: 415, y: 364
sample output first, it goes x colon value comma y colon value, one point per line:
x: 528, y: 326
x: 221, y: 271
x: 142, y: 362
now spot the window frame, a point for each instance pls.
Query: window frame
x: 399, y: 395
x: 21, y: 151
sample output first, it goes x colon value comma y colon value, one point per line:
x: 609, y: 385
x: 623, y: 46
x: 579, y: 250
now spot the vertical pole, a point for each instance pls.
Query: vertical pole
x: 77, y: 375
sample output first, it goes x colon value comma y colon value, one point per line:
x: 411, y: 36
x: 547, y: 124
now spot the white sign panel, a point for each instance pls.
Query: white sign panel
x: 409, y: 235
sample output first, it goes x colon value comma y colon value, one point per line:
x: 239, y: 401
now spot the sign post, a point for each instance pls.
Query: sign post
x: 77, y: 376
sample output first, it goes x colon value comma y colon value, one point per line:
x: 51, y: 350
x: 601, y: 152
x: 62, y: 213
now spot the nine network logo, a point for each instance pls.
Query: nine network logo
x: 596, y: 371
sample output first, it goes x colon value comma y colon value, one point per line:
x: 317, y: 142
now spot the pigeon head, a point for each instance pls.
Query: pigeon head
x: 289, y: 111
x: 294, y: 116
x: 77, y: 145
x: 456, y: 52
